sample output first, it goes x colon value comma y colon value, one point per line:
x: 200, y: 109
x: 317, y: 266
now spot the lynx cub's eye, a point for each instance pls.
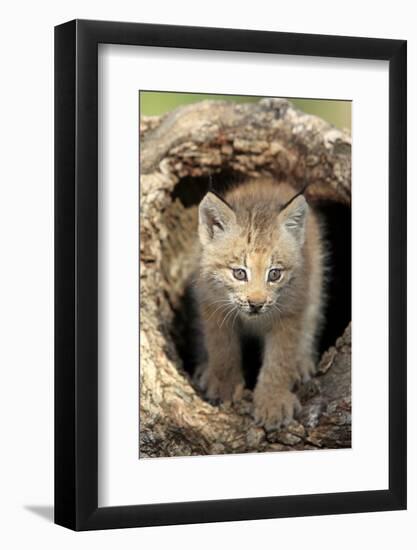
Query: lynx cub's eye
x: 274, y: 275
x: 240, y: 274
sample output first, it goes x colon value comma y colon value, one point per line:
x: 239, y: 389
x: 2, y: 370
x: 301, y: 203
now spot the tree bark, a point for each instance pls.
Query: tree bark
x: 178, y: 153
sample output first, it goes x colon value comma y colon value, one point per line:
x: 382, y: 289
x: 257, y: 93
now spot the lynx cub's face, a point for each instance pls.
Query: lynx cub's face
x: 251, y: 252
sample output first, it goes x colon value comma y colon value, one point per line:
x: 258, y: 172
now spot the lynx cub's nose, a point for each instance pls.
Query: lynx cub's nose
x: 255, y: 307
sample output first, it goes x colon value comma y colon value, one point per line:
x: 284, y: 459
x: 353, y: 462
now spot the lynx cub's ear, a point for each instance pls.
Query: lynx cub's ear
x: 215, y: 218
x: 293, y: 217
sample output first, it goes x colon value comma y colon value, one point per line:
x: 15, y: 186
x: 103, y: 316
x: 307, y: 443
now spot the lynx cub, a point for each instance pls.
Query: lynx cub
x: 260, y: 272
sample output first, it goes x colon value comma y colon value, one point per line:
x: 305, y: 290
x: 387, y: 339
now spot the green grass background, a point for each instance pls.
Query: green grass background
x: 336, y: 112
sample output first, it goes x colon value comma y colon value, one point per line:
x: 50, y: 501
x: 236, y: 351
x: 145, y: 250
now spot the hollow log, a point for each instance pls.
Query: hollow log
x: 179, y: 153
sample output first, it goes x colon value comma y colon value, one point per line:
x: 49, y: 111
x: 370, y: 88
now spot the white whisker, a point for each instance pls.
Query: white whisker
x: 225, y: 311
x: 235, y: 317
x: 227, y: 315
x: 231, y: 317
x: 219, y: 308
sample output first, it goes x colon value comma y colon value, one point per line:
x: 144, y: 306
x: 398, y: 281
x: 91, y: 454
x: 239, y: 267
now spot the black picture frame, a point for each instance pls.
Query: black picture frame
x: 76, y: 272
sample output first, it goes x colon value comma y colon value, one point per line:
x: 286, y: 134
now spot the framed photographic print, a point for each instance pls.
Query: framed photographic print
x: 230, y: 275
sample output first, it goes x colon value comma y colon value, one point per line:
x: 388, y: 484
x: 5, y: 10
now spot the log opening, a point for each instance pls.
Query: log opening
x: 336, y: 220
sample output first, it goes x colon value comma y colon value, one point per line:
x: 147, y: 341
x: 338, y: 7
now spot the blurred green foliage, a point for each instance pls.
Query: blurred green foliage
x: 336, y: 112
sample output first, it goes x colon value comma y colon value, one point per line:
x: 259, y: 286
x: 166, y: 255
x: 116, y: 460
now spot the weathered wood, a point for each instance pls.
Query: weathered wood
x: 200, y: 140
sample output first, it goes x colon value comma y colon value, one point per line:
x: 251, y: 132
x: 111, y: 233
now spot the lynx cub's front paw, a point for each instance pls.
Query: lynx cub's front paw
x: 226, y: 388
x: 274, y: 409
x: 306, y: 368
